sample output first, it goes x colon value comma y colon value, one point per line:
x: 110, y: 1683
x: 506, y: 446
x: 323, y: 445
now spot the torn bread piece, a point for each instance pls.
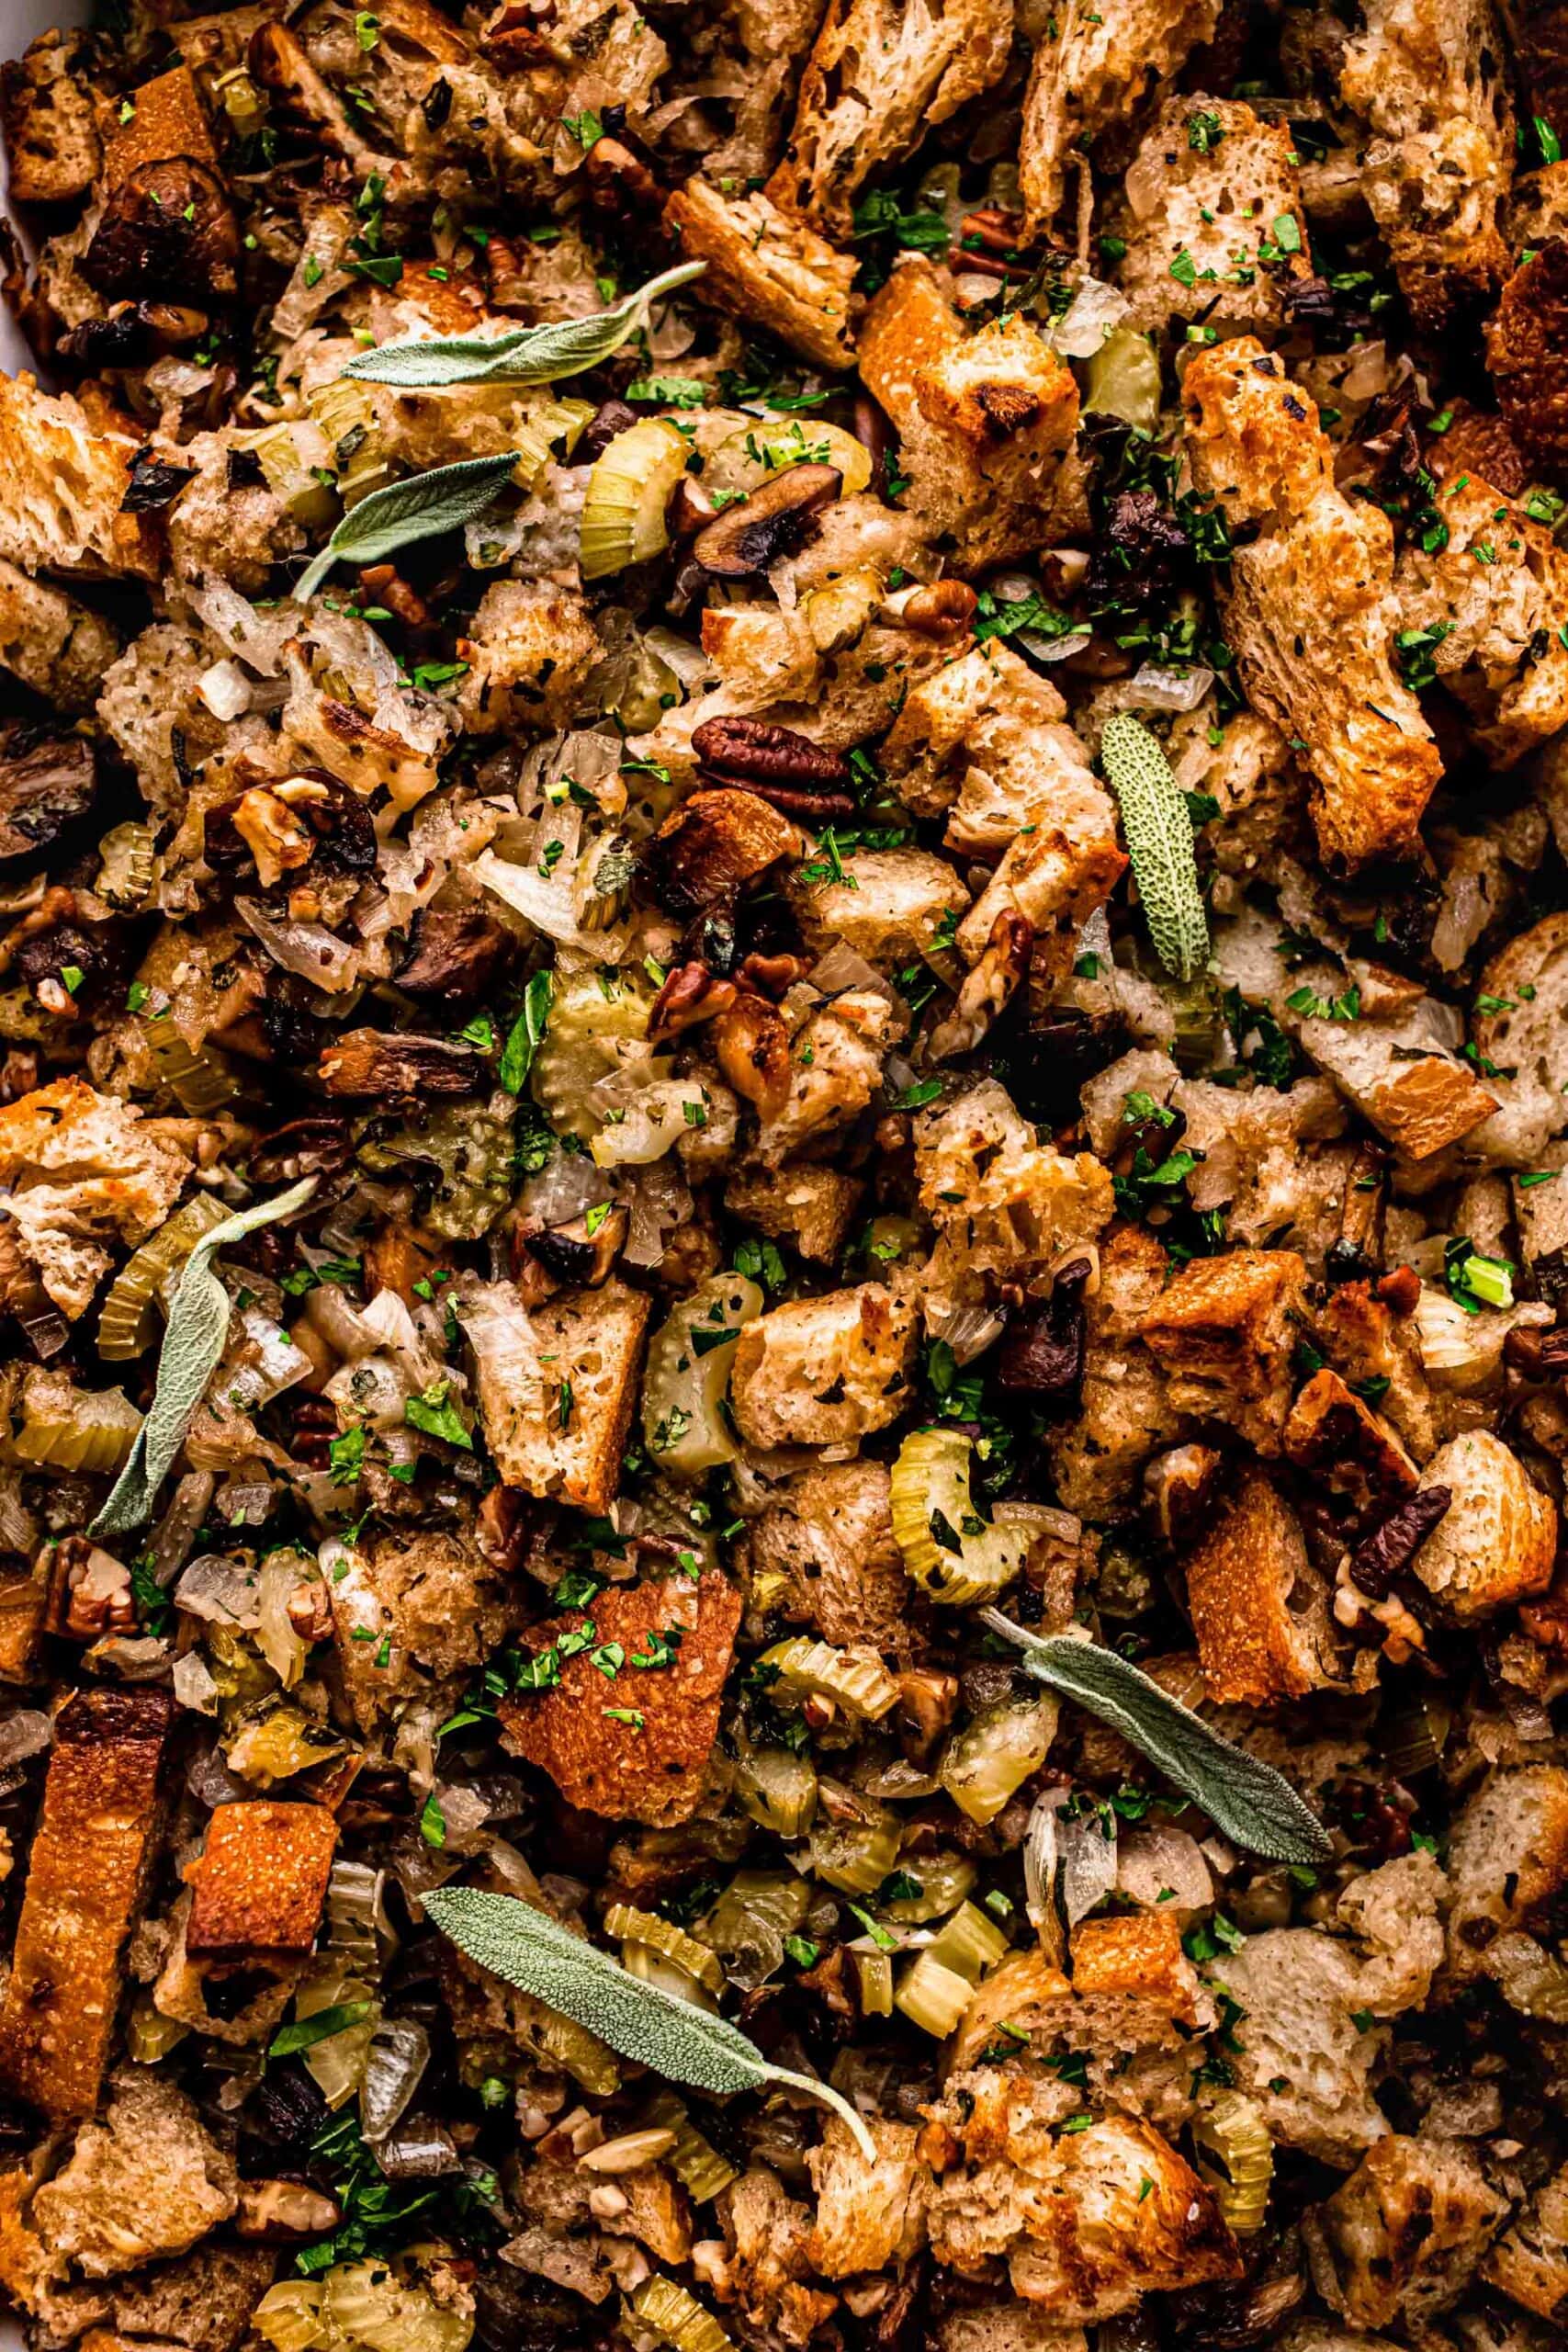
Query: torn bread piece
x: 768, y: 267
x: 557, y: 1388
x: 261, y: 1880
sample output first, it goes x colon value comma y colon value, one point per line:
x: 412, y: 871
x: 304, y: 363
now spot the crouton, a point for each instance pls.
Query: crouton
x: 150, y: 702
x: 1508, y: 1863
x: 95, y: 1835
x: 1014, y: 2327
x: 1093, y: 2220
x: 767, y: 267
x: 1005, y: 1207
x: 50, y: 121
x: 556, y: 1426
x: 1398, y: 2241
x: 203, y: 2301
x: 1089, y: 73
x: 1529, y: 2261
x: 62, y: 488
x: 1525, y: 343
x: 1307, y: 2037
x: 835, y: 1067
x: 824, y: 1371
x: 823, y: 1553
x: 1219, y: 198
x: 868, y: 2216
x: 410, y: 1612
x: 986, y: 420
x: 79, y: 1167
x: 54, y: 644
x: 1492, y: 596
x: 145, y: 2183
x: 1222, y: 1332
x: 24, y: 1601
x: 1055, y: 879
x: 1540, y: 1219
x: 1365, y: 1340
x: 530, y: 646
x: 1334, y: 1436
x: 808, y: 1206
x: 1430, y: 81
x: 1418, y: 1095
x: 1497, y: 1540
x: 879, y: 78
x: 1523, y: 1045
x: 1261, y: 1613
x: 768, y: 2261
x: 222, y: 530
x: 759, y: 47
x: 261, y: 1880
x: 165, y: 117
x: 986, y: 686
x: 891, y: 906
x: 1322, y: 572
x: 1124, y: 1410
x: 236, y: 2003
x: 633, y: 1744
x: 1136, y: 1959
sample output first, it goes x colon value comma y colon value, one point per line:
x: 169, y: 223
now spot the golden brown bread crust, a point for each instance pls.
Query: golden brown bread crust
x: 1256, y: 1607
x: 1527, y: 337
x: 261, y: 1880
x: 768, y: 267
x: 166, y: 118
x: 84, y: 1884
x: 653, y: 1768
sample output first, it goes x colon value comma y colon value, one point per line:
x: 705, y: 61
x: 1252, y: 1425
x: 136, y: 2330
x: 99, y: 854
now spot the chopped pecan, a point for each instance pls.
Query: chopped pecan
x: 1376, y: 1563
x: 89, y: 1592
x: 692, y: 994
x: 753, y: 1046
x: 773, y: 975
x: 384, y: 584
x: 1400, y: 1291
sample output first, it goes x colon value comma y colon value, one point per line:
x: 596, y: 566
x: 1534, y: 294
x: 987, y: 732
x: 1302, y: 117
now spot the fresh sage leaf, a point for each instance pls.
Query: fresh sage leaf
x: 1256, y: 1806
x: 527, y: 355
x: 193, y: 1343
x: 1158, y: 825
x: 420, y: 508
x: 641, y: 2022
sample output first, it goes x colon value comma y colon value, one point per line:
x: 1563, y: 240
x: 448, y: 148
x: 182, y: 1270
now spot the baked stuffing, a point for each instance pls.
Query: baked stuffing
x: 783, y: 1097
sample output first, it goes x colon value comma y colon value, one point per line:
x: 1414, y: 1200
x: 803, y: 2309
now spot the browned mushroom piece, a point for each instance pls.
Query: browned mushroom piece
x: 713, y: 846
x: 44, y: 787
x: 777, y: 519
x: 752, y: 1048
x: 304, y: 1147
x: 167, y: 228
x: 456, y: 955
x: 574, y: 1253
x: 368, y: 1066
x: 286, y: 824
x: 133, y: 335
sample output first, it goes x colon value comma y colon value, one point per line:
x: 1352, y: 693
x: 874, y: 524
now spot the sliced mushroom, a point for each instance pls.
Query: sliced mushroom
x: 713, y: 846
x: 276, y: 60
x: 304, y: 1147
x: 456, y: 955
x: 368, y: 1066
x: 777, y: 519
x: 168, y: 229
x: 133, y: 335
x: 44, y: 787
x: 752, y: 1047
x: 573, y: 1254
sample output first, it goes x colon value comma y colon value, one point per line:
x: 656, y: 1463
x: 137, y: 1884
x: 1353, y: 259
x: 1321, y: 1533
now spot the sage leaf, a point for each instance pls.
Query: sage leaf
x: 527, y: 355
x: 1255, y: 1805
x: 198, y: 1327
x: 641, y: 2022
x: 1158, y: 825
x: 527, y: 1033
x: 420, y: 508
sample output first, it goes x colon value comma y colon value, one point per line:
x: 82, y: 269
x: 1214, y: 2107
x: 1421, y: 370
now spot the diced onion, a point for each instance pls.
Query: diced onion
x: 394, y: 2066
x: 777, y: 1789
x: 1124, y: 381
x: 1095, y: 309
x: 1154, y: 687
x: 942, y: 1882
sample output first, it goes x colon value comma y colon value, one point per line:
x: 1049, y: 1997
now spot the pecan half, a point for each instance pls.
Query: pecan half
x: 1376, y: 1563
x: 793, y: 775
x: 752, y: 1047
x: 947, y: 609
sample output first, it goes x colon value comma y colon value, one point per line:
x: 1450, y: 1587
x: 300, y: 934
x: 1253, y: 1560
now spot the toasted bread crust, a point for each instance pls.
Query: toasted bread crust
x: 651, y: 1769
x: 261, y: 1880
x: 84, y: 1885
